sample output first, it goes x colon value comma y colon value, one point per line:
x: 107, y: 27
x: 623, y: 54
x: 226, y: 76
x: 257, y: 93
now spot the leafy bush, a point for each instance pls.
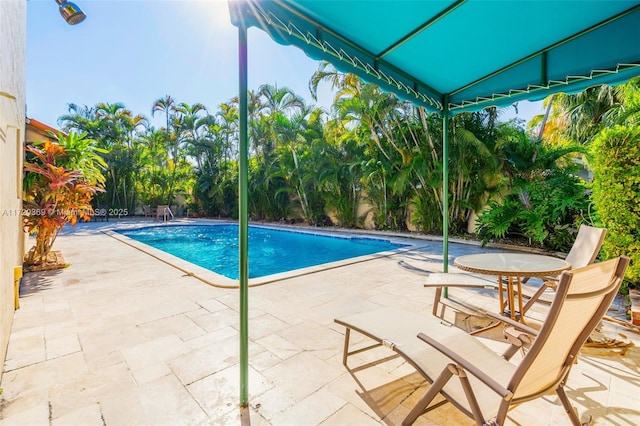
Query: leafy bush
x: 616, y: 193
x: 53, y: 196
x: 544, y: 211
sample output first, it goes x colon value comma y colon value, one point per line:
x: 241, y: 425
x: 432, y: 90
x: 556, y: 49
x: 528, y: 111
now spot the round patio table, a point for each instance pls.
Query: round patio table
x: 513, y: 267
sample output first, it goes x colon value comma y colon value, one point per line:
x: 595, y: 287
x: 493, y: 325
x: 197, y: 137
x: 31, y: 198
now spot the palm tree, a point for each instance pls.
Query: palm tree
x: 290, y: 136
x: 167, y: 106
x: 274, y: 103
x: 580, y: 117
x: 190, y: 124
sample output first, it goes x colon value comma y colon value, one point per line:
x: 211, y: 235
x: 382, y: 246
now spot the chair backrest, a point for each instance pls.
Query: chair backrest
x: 586, y: 247
x: 582, y: 298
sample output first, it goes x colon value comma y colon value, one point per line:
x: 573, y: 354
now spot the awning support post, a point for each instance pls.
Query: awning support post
x: 243, y: 219
x: 445, y: 188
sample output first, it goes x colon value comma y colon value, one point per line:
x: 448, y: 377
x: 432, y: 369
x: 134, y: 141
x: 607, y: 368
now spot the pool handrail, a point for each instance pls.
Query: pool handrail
x: 164, y: 211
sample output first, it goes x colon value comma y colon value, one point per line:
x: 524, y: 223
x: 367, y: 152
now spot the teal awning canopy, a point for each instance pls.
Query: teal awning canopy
x: 479, y: 53
x: 448, y: 56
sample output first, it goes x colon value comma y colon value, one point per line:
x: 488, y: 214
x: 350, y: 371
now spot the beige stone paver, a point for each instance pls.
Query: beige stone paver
x: 122, y: 338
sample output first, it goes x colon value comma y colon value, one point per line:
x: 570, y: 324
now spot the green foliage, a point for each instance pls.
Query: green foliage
x: 53, y: 196
x: 541, y: 211
x: 216, y: 193
x: 615, y: 158
x: 83, y: 153
x: 545, y: 201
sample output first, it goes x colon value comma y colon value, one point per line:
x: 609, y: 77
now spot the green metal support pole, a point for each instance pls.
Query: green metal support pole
x: 445, y: 187
x: 243, y: 220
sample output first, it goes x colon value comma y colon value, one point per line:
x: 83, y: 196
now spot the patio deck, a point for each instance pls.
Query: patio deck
x: 121, y: 338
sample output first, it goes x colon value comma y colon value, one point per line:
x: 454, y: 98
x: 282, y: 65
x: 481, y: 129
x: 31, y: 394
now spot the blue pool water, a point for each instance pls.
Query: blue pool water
x: 215, y: 247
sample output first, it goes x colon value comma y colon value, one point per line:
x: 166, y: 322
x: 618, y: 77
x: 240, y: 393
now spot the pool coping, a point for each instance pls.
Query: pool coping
x: 411, y: 240
x: 221, y: 281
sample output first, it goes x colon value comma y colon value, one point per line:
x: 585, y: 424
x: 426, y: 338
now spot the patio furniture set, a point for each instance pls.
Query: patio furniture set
x: 488, y: 384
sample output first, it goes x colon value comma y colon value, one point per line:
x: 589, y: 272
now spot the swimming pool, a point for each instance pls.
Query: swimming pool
x: 271, y: 251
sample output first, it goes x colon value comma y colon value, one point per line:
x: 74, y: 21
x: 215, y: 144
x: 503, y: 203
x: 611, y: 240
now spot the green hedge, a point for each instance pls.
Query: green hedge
x: 615, y: 159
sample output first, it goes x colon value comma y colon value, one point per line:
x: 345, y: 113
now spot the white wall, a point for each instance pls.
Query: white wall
x: 13, y: 24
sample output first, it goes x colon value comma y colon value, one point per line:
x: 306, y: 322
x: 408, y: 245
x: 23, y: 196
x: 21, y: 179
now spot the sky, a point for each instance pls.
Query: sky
x: 138, y: 51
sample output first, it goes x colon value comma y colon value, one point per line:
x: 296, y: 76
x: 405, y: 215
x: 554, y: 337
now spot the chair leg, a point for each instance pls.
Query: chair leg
x: 424, y: 402
x: 436, y: 301
x: 345, y: 353
x: 568, y: 408
x: 471, y: 397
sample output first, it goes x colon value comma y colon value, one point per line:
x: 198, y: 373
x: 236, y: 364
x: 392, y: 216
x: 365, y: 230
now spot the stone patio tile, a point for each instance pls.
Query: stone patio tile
x: 313, y: 337
x: 30, y: 408
x: 196, y: 364
x: 151, y: 372
x: 265, y: 325
x: 164, y: 310
x: 51, y: 317
x: 26, y: 347
x: 230, y: 298
x: 71, y: 395
x: 314, y: 409
x: 31, y: 300
x: 101, y: 361
x: 89, y: 415
x: 279, y: 346
x: 263, y: 360
x: 104, y: 340
x: 339, y: 307
x: 169, y: 325
x: 197, y: 313
x: 161, y: 402
x: 161, y: 349
x: 211, y: 338
x: 613, y: 415
x: 213, y: 321
x: 219, y: 393
x: 212, y: 305
x: 442, y: 416
x: 52, y: 304
x: 65, y: 345
x: 285, y: 304
x: 193, y: 331
x: 301, y: 375
x: 44, y: 375
x: 124, y: 306
x: 271, y: 403
x: 79, y: 322
x: 33, y: 415
x: 349, y: 415
x: 162, y: 296
x: 242, y: 416
x: 292, y: 314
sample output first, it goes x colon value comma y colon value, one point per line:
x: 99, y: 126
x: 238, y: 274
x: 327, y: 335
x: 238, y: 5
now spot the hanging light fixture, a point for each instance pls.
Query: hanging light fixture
x: 71, y: 12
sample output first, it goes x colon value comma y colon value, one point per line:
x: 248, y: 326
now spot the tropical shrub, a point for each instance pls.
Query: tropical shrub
x: 54, y: 195
x: 616, y: 193
x: 545, y: 211
x: 545, y: 201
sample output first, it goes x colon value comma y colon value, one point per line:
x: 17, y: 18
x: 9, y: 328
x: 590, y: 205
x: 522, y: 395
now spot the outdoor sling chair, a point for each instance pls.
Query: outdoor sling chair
x: 487, y: 384
x: 583, y: 252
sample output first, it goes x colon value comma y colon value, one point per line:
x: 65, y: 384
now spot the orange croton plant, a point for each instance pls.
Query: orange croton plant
x: 53, y: 196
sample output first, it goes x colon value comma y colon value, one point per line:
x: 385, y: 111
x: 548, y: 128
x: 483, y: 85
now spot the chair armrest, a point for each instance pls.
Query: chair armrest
x: 467, y: 366
x: 456, y: 279
x: 517, y: 337
x: 515, y: 324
